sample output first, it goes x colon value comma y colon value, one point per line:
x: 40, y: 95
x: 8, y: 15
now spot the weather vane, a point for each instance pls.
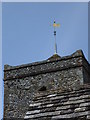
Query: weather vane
x: 55, y: 25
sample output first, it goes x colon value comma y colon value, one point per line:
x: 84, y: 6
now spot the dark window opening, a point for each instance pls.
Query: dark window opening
x: 43, y: 88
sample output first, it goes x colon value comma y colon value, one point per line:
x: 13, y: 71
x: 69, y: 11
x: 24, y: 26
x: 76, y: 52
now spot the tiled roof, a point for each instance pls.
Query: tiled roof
x: 69, y: 105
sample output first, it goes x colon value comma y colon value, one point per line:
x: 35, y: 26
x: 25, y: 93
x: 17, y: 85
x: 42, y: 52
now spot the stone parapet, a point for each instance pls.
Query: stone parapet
x: 46, y: 66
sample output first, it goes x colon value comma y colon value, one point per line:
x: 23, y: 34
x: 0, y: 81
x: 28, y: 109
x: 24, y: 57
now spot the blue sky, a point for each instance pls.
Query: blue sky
x: 27, y: 34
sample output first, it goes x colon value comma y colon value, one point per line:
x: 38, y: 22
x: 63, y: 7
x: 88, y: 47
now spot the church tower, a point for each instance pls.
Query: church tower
x: 54, y: 89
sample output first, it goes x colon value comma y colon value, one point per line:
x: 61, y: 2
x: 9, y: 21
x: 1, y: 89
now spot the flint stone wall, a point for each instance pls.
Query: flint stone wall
x: 21, y: 83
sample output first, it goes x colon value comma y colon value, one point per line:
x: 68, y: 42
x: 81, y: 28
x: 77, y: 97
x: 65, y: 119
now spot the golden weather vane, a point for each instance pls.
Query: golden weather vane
x: 55, y: 25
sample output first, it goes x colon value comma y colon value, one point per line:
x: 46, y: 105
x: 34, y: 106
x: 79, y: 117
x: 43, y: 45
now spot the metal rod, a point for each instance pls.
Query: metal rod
x: 55, y: 41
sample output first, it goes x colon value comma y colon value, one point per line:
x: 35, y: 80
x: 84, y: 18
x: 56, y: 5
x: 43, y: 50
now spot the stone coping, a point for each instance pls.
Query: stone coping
x: 76, y: 54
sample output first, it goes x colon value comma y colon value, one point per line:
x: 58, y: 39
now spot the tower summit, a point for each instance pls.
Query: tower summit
x: 57, y: 88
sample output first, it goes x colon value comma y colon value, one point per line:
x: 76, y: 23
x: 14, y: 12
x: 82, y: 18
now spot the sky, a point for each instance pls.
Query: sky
x: 27, y: 31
